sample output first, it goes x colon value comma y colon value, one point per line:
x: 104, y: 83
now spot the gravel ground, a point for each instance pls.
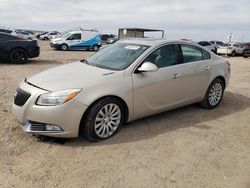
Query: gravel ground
x: 187, y: 147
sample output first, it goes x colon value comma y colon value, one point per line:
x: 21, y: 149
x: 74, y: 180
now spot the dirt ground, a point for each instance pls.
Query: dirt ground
x: 187, y: 147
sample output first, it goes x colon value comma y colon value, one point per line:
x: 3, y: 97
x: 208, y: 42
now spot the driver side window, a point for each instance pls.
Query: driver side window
x: 164, y: 56
x: 76, y: 36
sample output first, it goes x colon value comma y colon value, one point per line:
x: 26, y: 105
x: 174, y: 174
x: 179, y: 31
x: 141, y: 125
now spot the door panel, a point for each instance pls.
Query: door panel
x: 156, y: 91
x: 195, y: 78
x: 195, y: 72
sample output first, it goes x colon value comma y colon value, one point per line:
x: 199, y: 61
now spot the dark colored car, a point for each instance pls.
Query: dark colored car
x: 246, y: 50
x: 105, y: 37
x: 17, y: 50
x: 38, y: 36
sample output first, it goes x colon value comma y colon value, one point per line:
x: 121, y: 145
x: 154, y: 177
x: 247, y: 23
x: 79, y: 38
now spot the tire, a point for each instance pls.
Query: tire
x: 29, y: 38
x: 64, y: 47
x: 46, y: 38
x: 97, y: 125
x: 95, y: 48
x: 244, y: 56
x: 213, y: 95
x: 18, y: 56
x: 233, y: 54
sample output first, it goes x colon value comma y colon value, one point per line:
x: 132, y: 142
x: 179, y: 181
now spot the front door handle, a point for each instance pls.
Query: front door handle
x: 174, y: 76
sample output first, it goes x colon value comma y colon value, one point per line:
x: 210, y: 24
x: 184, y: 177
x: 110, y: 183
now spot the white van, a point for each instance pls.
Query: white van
x: 77, y: 40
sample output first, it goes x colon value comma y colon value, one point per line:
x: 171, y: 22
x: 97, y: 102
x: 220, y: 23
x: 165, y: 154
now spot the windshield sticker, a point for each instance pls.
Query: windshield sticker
x: 132, y: 47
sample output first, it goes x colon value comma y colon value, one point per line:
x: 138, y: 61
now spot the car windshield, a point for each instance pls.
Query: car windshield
x: 117, y: 56
x: 65, y: 35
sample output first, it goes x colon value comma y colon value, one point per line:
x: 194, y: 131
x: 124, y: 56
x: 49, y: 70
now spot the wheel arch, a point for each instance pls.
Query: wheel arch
x: 222, y: 79
x: 14, y: 48
x: 124, y: 104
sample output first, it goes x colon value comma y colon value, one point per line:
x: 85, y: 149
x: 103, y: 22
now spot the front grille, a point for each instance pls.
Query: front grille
x: 35, y: 126
x: 21, y: 97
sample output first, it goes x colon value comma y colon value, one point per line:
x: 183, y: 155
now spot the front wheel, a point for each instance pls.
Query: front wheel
x: 233, y: 54
x: 64, y: 47
x: 213, y: 95
x: 103, y: 120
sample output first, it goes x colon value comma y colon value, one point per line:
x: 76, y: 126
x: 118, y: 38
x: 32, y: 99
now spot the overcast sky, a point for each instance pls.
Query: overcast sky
x: 194, y: 19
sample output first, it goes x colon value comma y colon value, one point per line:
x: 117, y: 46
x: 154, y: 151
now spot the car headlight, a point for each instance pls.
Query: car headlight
x: 57, y: 98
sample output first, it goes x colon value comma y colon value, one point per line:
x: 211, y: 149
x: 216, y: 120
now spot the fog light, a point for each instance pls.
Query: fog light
x: 52, y: 128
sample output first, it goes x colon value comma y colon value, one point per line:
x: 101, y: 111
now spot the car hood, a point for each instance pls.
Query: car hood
x: 56, y: 39
x: 74, y: 75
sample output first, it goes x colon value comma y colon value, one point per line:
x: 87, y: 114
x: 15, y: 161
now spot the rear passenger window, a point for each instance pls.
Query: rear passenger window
x: 193, y: 54
x: 206, y: 55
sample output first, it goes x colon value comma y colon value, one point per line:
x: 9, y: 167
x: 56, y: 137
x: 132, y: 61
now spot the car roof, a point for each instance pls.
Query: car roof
x: 81, y: 31
x: 153, y: 41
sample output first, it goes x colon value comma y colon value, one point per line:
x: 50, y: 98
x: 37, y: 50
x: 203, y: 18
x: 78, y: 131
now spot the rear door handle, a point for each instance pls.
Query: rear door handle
x: 207, y: 68
x: 174, y: 76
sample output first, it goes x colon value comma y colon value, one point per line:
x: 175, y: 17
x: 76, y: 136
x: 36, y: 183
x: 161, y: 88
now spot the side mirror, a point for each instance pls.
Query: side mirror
x: 148, y: 67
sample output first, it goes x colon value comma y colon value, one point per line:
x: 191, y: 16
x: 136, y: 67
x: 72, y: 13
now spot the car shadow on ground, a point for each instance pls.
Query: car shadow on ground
x: 189, y: 116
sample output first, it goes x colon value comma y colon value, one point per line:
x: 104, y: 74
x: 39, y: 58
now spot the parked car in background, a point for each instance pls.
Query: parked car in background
x: 246, y: 50
x: 105, y: 37
x: 49, y: 35
x: 217, y: 44
x: 89, y: 40
x: 25, y: 35
x: 208, y: 45
x: 9, y: 31
x: 231, y: 49
x: 17, y: 50
x: 112, y: 40
x: 123, y: 82
x: 38, y: 36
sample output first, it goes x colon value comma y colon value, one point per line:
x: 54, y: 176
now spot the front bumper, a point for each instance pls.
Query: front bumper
x: 54, y: 45
x: 66, y: 116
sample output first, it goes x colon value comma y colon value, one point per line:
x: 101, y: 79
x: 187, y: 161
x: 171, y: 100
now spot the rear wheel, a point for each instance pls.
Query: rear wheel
x: 18, y: 56
x: 64, y: 47
x: 46, y: 38
x: 95, y: 48
x: 103, y: 120
x: 214, y: 94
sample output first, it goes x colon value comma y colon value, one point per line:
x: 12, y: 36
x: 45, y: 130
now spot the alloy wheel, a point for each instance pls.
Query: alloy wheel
x: 107, y: 120
x: 215, y: 94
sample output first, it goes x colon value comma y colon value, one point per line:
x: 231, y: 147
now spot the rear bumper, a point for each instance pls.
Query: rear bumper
x: 34, y: 52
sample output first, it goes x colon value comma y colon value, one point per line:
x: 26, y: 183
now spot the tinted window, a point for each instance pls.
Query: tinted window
x: 191, y: 53
x: 164, y: 56
x: 206, y: 55
x: 5, y: 31
x: 7, y: 37
x: 76, y: 36
x: 204, y: 43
